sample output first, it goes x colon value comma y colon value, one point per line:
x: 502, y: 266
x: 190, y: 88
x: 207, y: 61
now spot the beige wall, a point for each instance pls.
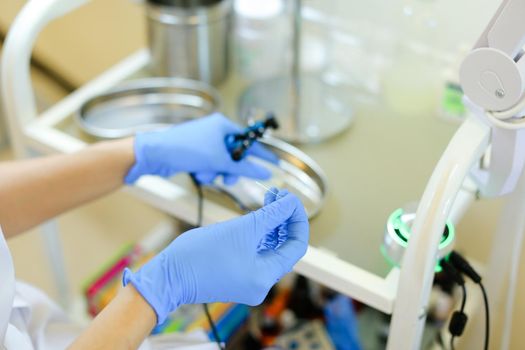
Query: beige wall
x: 89, y: 40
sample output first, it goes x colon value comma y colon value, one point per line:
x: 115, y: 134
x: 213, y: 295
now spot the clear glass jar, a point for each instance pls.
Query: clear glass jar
x: 261, y: 38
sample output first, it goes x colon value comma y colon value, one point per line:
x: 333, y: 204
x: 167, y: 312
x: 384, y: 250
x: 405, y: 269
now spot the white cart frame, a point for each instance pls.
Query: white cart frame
x: 404, y: 293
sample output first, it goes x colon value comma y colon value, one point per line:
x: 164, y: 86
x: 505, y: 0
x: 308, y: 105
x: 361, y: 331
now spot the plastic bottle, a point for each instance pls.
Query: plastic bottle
x: 412, y: 83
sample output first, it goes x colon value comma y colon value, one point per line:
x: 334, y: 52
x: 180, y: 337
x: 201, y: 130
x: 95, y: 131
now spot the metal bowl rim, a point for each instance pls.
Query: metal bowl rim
x: 136, y: 86
x: 321, y: 179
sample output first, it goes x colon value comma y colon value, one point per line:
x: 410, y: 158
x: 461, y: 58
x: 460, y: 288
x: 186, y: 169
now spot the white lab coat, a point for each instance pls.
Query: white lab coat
x: 29, y: 320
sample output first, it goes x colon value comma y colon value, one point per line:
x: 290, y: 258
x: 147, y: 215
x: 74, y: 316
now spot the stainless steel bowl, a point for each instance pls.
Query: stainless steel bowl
x: 296, y: 172
x: 190, y: 39
x: 146, y: 104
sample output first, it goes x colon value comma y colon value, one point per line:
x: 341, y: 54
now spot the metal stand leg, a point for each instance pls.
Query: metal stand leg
x: 53, y: 248
x: 3, y: 133
x: 295, y: 86
x: 308, y: 111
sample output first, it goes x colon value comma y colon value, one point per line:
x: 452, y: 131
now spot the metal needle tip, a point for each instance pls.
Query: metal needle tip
x: 266, y: 188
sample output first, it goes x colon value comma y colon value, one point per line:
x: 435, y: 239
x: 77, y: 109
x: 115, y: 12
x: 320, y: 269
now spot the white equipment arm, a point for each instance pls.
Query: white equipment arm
x: 493, y: 80
x: 492, y: 75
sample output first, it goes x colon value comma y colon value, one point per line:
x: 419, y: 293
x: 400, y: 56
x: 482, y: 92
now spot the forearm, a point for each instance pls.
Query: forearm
x: 123, y: 324
x: 35, y: 190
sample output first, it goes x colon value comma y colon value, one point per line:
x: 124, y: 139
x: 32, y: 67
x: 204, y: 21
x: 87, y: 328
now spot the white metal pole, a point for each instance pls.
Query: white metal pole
x: 506, y: 248
x: 17, y: 92
x: 417, y: 269
x: 53, y: 248
x: 20, y: 106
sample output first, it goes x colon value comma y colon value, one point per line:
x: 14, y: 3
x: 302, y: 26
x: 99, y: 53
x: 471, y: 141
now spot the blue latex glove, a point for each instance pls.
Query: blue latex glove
x: 195, y: 147
x: 273, y: 240
x: 222, y: 262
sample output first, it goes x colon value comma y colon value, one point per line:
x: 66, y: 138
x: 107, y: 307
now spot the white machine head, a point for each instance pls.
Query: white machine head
x: 493, y: 74
x: 493, y: 80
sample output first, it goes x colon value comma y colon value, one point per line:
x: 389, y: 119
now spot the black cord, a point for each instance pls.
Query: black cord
x: 200, y: 212
x: 464, y: 266
x: 223, y: 192
x: 487, y: 318
x: 464, y: 299
x: 462, y: 309
x: 213, y: 327
x: 200, y: 200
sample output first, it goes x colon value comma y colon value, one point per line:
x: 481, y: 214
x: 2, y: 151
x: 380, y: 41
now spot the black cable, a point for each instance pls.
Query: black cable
x: 487, y: 318
x: 240, y: 205
x: 200, y: 212
x: 462, y: 309
x: 200, y: 200
x: 213, y: 327
x: 464, y: 300
x: 464, y: 266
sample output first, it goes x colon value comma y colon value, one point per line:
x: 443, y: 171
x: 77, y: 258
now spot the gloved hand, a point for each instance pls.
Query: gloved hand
x: 195, y: 147
x: 274, y: 239
x: 222, y: 262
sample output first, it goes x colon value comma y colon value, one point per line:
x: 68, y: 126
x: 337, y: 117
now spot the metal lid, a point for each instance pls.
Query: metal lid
x: 209, y: 11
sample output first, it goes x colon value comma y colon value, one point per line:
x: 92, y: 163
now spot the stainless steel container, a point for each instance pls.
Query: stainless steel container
x: 190, y: 39
x: 146, y: 104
